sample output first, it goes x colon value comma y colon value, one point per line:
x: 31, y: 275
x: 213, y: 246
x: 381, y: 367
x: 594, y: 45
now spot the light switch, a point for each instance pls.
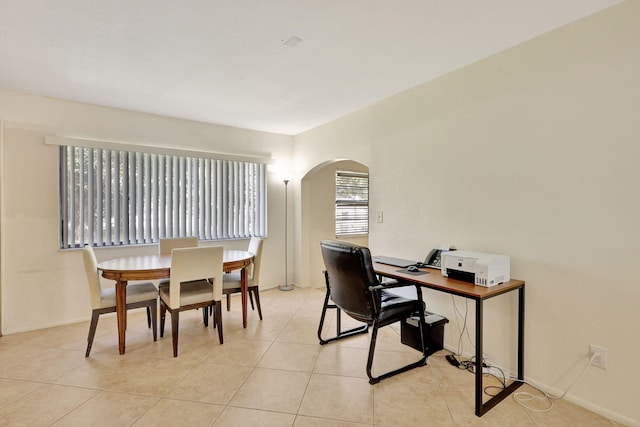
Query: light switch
x: 379, y: 217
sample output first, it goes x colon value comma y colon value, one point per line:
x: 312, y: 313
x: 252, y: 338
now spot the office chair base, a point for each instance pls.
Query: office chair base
x: 351, y: 332
x: 376, y: 380
x: 372, y: 346
x: 339, y: 333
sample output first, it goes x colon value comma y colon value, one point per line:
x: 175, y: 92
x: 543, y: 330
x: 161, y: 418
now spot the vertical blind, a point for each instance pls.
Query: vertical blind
x: 352, y: 202
x: 112, y: 198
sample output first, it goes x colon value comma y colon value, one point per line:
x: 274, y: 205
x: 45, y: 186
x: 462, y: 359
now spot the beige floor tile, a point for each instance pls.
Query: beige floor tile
x: 402, y: 403
x: 462, y: 406
x: 69, y: 337
x: 242, y: 417
x: 301, y: 331
x: 179, y: 412
x: 450, y: 376
x: 17, y: 362
x: 44, y: 406
x: 12, y: 390
x: 239, y: 352
x: 129, y: 374
x: 291, y: 357
x: 266, y: 330
x: 108, y: 409
x: 210, y: 383
x: 346, y: 361
x: 272, y: 390
x: 564, y: 413
x: 277, y: 313
x: 302, y: 421
x: 340, y: 398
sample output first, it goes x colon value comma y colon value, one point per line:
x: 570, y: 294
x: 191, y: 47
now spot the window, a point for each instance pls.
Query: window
x: 112, y: 198
x: 352, y: 203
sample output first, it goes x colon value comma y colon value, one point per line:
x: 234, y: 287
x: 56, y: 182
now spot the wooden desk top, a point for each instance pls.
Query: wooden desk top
x: 435, y: 280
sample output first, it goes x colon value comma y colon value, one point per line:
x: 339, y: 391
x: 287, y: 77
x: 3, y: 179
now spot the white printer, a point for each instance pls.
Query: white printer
x: 476, y: 267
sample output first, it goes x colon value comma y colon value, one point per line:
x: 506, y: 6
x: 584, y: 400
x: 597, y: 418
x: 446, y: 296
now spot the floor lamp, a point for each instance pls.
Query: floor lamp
x: 286, y: 286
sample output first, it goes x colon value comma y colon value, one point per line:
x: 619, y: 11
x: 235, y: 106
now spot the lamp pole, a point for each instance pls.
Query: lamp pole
x: 286, y: 286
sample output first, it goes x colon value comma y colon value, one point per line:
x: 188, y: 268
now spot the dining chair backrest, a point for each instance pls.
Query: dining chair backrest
x: 167, y: 244
x: 255, y: 247
x: 93, y: 279
x: 191, y: 264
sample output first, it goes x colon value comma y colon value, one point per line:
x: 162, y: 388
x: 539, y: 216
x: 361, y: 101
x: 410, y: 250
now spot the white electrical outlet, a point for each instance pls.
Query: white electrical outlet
x: 601, y: 356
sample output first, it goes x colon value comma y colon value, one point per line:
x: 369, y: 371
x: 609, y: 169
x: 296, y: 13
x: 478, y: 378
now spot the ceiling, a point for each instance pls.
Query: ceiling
x: 226, y: 62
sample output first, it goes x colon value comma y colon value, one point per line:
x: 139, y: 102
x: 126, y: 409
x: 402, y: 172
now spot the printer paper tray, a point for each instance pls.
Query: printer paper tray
x: 465, y: 276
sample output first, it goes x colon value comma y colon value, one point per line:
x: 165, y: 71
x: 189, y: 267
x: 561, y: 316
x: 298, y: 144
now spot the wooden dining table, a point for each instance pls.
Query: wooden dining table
x: 153, y: 267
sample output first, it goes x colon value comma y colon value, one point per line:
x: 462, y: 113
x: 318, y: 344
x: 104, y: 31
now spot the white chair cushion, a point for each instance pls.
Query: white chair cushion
x: 135, y: 293
x: 232, y: 281
x: 190, y: 293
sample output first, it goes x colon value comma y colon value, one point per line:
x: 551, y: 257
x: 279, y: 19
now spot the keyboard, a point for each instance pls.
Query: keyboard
x: 396, y: 262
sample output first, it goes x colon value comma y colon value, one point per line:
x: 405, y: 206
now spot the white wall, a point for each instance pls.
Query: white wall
x: 533, y: 153
x: 43, y: 286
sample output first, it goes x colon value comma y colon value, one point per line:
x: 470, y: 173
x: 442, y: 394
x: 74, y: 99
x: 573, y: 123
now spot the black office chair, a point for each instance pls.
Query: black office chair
x: 354, y: 289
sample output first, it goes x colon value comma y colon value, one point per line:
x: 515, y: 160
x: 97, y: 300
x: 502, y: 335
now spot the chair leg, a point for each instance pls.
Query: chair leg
x: 339, y: 334
x: 152, y: 311
x: 257, y: 294
x: 149, y: 317
x: 372, y: 346
x: 175, y: 318
x: 228, y: 302
x: 205, y: 316
x: 92, y: 331
x: 163, y: 315
x: 251, y: 301
x: 217, y: 314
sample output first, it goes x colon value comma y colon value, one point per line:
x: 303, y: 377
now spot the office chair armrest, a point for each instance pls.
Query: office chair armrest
x: 390, y: 285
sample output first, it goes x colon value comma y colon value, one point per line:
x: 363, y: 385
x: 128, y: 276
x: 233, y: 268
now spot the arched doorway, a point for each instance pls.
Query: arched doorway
x: 318, y: 201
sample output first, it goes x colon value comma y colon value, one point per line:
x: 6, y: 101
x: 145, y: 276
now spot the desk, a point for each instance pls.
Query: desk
x: 435, y: 280
x: 153, y: 267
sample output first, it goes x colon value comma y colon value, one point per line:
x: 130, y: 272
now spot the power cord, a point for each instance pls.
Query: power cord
x: 523, y: 396
x: 464, y: 322
x: 464, y: 330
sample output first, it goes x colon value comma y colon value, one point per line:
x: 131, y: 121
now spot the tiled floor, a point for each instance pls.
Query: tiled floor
x: 273, y: 373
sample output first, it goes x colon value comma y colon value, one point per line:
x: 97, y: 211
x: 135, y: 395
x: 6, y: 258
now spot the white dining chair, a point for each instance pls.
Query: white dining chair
x: 167, y: 244
x: 103, y: 300
x: 201, y: 268
x: 231, y: 282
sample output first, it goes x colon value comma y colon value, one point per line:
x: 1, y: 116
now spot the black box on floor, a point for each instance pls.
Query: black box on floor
x: 433, y: 334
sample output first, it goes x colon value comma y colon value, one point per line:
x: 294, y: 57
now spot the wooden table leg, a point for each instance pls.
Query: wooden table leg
x: 243, y: 288
x: 121, y: 312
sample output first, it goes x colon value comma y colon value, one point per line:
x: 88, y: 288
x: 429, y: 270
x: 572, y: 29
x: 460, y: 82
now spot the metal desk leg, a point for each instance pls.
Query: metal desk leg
x: 483, y: 408
x: 479, y: 358
x: 521, y: 333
